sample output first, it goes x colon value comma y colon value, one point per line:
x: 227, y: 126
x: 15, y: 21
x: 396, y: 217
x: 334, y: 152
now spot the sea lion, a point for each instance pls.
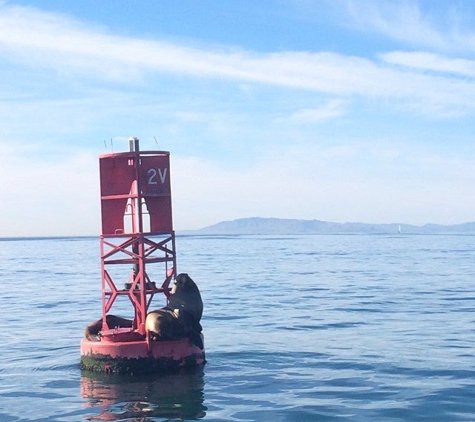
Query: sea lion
x: 181, y: 318
x: 93, y: 330
x: 172, y: 324
x: 186, y: 296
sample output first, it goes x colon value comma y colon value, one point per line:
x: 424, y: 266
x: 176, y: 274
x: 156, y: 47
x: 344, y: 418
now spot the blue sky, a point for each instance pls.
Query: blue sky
x: 338, y: 110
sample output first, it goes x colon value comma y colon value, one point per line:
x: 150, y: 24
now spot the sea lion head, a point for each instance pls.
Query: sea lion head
x: 186, y: 296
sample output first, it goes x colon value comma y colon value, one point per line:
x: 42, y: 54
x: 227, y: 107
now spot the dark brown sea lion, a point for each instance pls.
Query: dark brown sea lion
x: 92, y: 332
x: 186, y: 296
x: 181, y: 318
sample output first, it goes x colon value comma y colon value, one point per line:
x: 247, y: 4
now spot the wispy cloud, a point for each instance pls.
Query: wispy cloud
x: 431, y: 62
x: 444, y: 28
x: 67, y: 46
x: 330, y: 110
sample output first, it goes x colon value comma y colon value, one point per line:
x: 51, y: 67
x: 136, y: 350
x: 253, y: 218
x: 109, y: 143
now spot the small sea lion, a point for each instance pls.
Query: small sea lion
x: 93, y: 330
x: 186, y: 296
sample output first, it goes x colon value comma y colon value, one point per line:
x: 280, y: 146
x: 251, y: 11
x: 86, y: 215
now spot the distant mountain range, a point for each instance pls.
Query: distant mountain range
x: 258, y: 225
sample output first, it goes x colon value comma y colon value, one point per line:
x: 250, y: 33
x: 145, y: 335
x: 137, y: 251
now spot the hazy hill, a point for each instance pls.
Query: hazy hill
x: 258, y: 225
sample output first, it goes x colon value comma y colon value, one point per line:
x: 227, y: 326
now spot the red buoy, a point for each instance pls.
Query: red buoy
x: 138, y: 261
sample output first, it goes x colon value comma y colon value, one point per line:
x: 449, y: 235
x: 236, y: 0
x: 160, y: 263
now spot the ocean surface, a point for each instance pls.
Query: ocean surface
x: 297, y: 328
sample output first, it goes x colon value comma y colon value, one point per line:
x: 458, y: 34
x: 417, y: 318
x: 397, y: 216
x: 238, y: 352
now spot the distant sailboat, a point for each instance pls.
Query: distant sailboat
x: 399, y: 229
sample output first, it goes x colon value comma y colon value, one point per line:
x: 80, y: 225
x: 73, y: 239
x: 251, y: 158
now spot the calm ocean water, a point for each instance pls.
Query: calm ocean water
x: 297, y: 328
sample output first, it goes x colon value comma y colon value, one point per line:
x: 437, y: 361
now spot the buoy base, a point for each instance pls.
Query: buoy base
x: 135, y: 357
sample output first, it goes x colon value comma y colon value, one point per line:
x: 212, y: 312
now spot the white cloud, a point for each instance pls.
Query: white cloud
x: 431, y: 62
x: 330, y: 110
x: 441, y: 28
x: 68, y: 46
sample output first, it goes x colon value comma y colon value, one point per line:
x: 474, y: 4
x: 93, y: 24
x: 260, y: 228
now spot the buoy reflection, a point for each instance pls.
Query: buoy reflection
x: 138, y: 398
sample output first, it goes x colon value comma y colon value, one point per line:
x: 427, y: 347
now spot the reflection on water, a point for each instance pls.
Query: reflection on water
x: 131, y: 398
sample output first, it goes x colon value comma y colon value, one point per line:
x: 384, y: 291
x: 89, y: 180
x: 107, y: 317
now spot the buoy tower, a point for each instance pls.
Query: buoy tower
x: 138, y: 261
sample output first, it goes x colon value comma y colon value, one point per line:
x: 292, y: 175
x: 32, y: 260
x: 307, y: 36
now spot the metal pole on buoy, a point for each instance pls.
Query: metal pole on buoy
x: 138, y: 261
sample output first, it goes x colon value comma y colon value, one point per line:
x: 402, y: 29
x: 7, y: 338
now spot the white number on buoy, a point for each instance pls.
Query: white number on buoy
x: 162, y: 175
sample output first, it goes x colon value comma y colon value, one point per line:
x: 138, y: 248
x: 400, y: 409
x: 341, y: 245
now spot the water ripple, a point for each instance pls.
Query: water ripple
x: 297, y: 328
